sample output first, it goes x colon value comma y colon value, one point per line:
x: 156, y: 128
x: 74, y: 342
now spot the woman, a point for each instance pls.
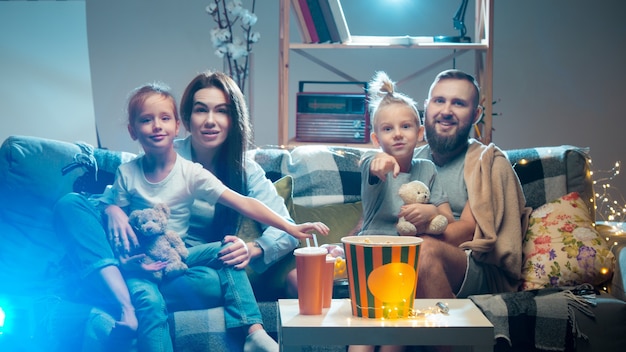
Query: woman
x: 214, y: 113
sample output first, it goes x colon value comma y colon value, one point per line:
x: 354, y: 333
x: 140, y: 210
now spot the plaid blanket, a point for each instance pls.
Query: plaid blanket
x: 541, y: 319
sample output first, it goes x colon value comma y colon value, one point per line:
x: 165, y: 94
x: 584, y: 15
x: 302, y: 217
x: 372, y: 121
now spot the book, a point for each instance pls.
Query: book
x: 340, y: 20
x: 304, y: 32
x: 330, y: 21
x: 386, y: 40
x: 308, y: 20
x: 318, y: 20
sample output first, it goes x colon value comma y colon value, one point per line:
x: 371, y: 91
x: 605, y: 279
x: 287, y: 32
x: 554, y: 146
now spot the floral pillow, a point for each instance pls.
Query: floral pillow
x: 563, y: 248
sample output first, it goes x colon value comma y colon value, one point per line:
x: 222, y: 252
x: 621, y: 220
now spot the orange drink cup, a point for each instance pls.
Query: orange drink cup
x: 382, y: 274
x: 328, y: 278
x: 310, y: 265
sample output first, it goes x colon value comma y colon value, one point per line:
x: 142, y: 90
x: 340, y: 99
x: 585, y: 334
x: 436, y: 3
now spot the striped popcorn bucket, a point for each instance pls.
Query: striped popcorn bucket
x: 382, y: 275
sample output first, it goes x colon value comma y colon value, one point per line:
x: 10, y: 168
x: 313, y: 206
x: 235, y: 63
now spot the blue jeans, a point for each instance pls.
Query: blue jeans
x: 240, y: 306
x: 198, y: 288
x: 81, y: 226
x: 153, y: 331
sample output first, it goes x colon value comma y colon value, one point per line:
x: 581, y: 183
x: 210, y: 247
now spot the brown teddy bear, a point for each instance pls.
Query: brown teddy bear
x: 417, y: 192
x: 157, y: 242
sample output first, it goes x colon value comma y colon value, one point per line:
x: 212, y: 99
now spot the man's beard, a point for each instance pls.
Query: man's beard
x: 444, y: 145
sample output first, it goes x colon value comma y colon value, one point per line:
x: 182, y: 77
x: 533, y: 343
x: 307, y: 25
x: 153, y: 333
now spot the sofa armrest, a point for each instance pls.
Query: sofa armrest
x: 615, y: 235
x: 616, y: 287
x: 31, y: 171
x: 38, y: 171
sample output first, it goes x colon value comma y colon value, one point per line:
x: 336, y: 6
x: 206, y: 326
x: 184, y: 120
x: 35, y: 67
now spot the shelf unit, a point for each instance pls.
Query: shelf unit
x: 482, y: 48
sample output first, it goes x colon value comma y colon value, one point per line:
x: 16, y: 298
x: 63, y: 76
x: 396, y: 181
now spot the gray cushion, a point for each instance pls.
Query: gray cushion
x: 547, y: 173
x: 203, y: 330
x: 323, y: 174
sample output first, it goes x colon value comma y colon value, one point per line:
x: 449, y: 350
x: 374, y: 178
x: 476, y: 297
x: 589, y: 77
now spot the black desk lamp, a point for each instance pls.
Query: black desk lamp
x: 459, y: 24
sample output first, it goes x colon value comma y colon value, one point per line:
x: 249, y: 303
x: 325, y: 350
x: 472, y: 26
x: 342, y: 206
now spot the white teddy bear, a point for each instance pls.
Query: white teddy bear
x: 417, y: 192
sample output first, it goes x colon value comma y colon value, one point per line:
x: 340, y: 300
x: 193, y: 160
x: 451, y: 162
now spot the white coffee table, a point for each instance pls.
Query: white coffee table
x: 464, y: 325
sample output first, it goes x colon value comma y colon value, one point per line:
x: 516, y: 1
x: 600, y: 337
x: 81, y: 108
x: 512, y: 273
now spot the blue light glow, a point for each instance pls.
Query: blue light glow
x: 2, y: 316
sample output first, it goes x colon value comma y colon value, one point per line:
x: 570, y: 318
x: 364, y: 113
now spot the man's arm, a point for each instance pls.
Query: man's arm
x: 461, y: 230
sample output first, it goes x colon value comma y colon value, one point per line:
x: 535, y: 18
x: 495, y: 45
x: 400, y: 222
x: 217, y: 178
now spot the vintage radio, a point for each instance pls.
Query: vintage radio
x: 340, y: 117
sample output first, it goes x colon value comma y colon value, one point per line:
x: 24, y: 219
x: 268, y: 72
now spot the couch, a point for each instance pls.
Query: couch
x: 318, y: 183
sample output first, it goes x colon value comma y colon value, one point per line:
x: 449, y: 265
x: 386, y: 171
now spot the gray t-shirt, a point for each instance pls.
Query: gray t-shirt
x: 450, y: 175
x: 381, y: 203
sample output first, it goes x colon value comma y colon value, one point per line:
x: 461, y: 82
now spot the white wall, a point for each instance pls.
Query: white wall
x: 139, y: 41
x: 558, y: 68
x: 169, y: 41
x: 45, y: 81
x: 561, y: 78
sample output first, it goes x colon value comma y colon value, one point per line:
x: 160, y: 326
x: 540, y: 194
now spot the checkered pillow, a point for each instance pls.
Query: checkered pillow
x: 322, y: 174
x: 547, y: 173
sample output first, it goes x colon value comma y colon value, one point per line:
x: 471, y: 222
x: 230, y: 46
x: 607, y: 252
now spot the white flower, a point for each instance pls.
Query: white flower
x: 211, y: 8
x: 234, y: 7
x: 248, y: 18
x: 584, y: 234
x: 214, y: 39
x: 238, y: 41
x: 221, y: 51
x: 232, y: 39
x: 219, y: 36
x: 237, y: 51
x: 254, y: 37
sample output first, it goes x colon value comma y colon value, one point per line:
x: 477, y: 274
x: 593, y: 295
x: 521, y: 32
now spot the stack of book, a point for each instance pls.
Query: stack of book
x: 323, y: 21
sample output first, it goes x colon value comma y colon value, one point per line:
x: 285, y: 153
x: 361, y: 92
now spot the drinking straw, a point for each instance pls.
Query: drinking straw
x: 315, y: 240
x: 308, y: 243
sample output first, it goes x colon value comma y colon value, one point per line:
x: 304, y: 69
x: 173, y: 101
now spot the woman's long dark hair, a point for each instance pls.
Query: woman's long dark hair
x: 230, y: 162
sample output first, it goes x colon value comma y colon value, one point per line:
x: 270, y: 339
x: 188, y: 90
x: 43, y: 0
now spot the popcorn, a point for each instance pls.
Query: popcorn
x: 336, y: 251
x: 340, y: 269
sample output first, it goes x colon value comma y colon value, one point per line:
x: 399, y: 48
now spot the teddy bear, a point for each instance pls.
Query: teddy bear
x: 417, y: 192
x: 157, y: 242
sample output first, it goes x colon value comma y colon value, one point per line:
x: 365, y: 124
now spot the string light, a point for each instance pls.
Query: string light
x: 610, y: 203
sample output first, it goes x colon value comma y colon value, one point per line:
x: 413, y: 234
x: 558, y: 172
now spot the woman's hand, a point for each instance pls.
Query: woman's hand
x: 237, y: 254
x: 136, y: 263
x: 121, y: 234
